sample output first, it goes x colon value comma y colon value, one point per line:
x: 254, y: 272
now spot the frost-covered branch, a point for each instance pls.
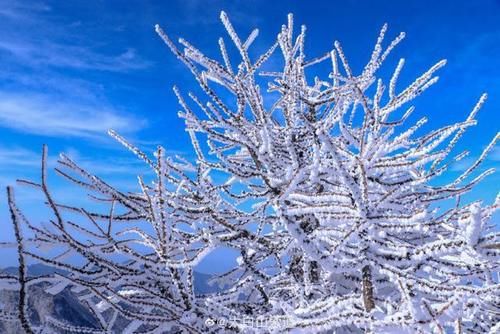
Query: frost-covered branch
x: 323, y: 185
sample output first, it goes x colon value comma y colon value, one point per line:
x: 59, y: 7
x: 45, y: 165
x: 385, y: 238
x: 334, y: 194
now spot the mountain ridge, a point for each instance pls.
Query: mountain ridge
x: 64, y: 306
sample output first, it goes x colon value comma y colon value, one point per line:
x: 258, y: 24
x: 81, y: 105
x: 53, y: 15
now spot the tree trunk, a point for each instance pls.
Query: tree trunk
x: 368, y: 289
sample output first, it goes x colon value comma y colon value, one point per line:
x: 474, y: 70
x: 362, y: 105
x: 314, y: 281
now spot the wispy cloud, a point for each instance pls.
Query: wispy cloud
x: 46, y: 84
x: 12, y: 158
x: 19, y: 11
x: 119, y: 165
x: 15, y: 157
x: 42, y: 40
x: 60, y: 55
x: 17, y: 162
x: 119, y: 170
x: 41, y: 115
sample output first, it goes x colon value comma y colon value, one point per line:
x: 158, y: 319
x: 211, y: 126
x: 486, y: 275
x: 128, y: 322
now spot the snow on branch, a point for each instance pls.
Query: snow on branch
x: 336, y: 218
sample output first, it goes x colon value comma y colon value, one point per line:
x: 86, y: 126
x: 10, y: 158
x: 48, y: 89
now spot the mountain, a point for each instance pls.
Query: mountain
x: 64, y: 306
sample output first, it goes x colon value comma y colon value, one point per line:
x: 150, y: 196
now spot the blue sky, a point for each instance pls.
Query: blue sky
x: 70, y: 70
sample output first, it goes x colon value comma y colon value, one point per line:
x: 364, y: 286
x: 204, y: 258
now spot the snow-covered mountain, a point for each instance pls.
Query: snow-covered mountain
x: 64, y: 306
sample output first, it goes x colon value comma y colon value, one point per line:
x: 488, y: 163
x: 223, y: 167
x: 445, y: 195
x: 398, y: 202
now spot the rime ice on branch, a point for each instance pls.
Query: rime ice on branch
x: 327, y: 194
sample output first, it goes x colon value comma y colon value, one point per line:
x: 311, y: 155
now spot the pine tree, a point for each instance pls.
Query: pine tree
x: 327, y: 194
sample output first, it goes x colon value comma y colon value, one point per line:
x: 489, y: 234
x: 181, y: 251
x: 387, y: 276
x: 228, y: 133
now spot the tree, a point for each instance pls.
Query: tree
x: 329, y: 199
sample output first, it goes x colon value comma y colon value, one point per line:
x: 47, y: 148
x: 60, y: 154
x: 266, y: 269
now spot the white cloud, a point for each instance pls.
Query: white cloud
x: 45, y: 53
x: 19, y: 11
x: 46, y: 115
x: 19, y: 162
x: 125, y: 164
x: 33, y: 36
x: 14, y: 157
x: 40, y: 92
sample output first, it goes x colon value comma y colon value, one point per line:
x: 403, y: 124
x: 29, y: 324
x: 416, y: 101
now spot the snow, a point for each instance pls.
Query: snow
x: 349, y: 194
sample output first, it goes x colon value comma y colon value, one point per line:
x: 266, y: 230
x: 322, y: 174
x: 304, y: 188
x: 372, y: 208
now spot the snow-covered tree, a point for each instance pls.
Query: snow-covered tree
x: 330, y: 198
